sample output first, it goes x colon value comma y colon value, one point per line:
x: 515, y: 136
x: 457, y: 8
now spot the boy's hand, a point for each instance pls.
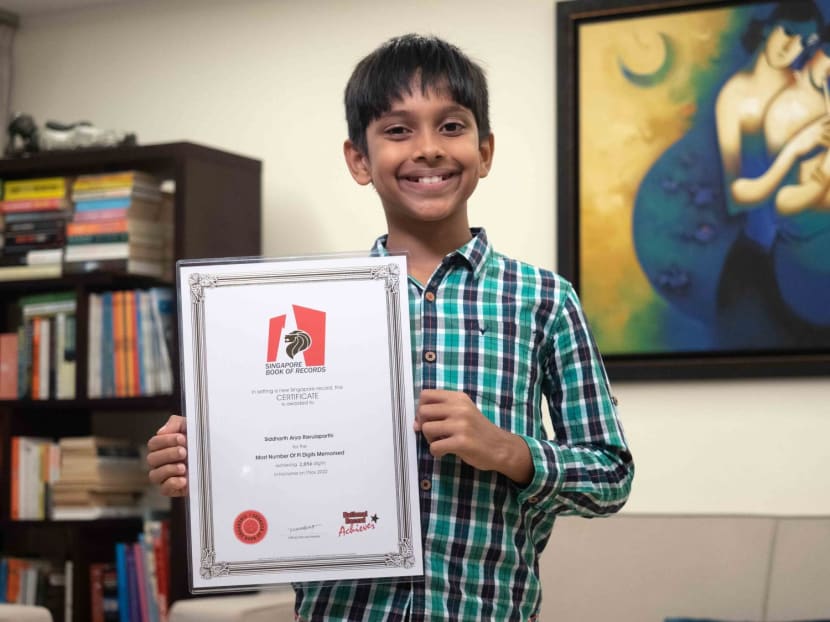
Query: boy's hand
x: 451, y: 424
x: 168, y: 451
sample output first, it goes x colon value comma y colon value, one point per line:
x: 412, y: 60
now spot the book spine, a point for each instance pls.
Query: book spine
x: 34, y: 389
x: 33, y: 205
x: 43, y: 188
x: 96, y: 591
x: 119, y: 344
x: 97, y: 238
x: 94, y: 205
x: 108, y: 346
x: 108, y: 180
x: 4, y: 578
x: 44, y: 358
x: 24, y: 353
x: 92, y: 228
x: 100, y: 215
x: 141, y: 580
x: 123, y: 582
x: 133, y: 363
x: 8, y: 365
x: 15, y: 478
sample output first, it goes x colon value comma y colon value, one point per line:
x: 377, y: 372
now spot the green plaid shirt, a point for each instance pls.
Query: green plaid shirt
x: 506, y: 334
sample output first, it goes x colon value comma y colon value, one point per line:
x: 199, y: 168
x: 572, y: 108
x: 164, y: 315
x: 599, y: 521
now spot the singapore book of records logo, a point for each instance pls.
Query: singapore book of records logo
x: 305, y: 347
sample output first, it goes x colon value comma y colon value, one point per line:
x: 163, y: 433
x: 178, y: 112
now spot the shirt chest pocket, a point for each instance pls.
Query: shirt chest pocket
x: 496, y: 365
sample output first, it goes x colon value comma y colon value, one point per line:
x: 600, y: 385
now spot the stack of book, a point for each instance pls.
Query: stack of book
x: 129, y: 347
x: 140, y: 576
x: 27, y: 581
x: 100, y: 477
x: 33, y: 214
x: 122, y: 222
x: 35, y: 467
x: 46, y: 346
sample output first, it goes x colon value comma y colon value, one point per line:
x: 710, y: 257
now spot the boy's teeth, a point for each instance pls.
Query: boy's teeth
x: 430, y: 180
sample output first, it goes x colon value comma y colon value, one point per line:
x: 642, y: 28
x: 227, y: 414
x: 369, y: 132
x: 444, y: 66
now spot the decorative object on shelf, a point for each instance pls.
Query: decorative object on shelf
x: 26, y: 138
x: 694, y: 211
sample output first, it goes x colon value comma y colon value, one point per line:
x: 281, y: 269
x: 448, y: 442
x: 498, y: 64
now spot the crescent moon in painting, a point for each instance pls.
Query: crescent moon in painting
x: 659, y: 51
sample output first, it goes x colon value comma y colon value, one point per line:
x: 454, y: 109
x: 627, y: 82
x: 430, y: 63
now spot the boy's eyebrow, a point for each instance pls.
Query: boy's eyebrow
x: 448, y: 109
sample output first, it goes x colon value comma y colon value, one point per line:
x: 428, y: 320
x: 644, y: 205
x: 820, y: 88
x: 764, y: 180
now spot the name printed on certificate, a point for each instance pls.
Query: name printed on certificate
x: 297, y: 389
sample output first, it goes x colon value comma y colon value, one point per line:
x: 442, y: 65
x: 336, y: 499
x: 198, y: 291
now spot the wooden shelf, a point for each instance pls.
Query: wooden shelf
x: 217, y: 213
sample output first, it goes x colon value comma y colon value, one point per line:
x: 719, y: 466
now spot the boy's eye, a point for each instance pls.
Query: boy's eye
x: 396, y: 130
x: 453, y: 127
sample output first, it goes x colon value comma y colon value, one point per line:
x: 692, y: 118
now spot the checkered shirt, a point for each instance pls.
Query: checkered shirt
x: 507, y: 334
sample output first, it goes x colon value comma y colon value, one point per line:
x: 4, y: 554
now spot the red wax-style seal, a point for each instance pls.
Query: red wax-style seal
x: 250, y: 527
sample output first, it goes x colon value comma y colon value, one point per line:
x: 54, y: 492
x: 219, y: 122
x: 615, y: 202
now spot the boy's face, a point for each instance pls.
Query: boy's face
x: 424, y: 159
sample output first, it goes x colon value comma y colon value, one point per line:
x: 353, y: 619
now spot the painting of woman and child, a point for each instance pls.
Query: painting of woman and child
x: 704, y: 180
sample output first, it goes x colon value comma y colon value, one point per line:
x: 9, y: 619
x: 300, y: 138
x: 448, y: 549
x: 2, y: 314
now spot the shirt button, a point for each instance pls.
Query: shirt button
x: 429, y: 356
x: 533, y: 500
x: 426, y: 484
x: 430, y: 296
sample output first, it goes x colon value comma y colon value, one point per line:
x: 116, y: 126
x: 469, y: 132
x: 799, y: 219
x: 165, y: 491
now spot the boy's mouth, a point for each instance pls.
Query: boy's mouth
x: 428, y: 180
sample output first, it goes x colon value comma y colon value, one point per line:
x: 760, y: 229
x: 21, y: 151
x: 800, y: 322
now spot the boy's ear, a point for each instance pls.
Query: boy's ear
x: 485, y: 150
x: 358, y: 163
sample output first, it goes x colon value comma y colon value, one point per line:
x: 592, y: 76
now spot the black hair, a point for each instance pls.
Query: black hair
x: 387, y: 74
x: 793, y: 11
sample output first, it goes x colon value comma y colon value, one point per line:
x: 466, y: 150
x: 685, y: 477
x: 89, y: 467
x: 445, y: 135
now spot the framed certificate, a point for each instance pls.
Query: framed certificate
x: 297, y: 388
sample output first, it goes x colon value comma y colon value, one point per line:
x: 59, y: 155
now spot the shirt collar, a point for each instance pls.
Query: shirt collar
x: 474, y: 253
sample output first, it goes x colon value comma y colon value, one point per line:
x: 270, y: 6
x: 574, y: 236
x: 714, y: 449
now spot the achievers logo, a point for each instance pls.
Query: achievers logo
x: 308, y: 340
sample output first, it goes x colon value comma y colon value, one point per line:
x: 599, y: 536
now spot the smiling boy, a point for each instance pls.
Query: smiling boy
x: 491, y: 338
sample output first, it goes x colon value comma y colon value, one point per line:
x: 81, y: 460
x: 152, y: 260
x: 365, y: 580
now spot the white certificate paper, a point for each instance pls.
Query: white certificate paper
x: 297, y: 388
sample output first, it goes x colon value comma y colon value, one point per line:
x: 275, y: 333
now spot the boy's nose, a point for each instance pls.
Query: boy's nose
x: 428, y: 148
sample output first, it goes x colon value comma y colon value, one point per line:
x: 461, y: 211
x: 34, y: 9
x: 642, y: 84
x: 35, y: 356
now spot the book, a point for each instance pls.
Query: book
x: 65, y: 355
x: 50, y: 303
x: 107, y: 346
x: 28, y: 239
x: 162, y: 308
x: 95, y: 512
x: 40, y: 188
x: 28, y: 272
x: 158, y: 208
x: 122, y: 581
x: 30, y: 476
x: 59, y: 216
x: 8, y: 366
x: 103, y: 587
x: 114, y: 250
x: 49, y: 204
x: 119, y: 332
x: 157, y: 536
x: 141, y: 580
x: 39, y: 225
x: 131, y: 367
x: 118, y: 179
x: 93, y: 349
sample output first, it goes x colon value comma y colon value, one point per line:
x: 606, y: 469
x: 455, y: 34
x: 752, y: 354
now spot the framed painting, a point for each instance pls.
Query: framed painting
x: 694, y: 183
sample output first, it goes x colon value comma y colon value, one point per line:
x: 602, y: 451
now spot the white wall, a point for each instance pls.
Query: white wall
x: 265, y: 79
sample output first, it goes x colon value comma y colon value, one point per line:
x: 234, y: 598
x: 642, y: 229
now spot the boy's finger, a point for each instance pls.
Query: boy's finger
x: 168, y: 455
x: 163, y: 441
x: 161, y: 474
x: 176, y: 423
x: 174, y: 487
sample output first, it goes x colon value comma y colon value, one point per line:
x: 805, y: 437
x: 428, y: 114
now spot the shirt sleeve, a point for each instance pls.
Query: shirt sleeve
x: 586, y: 469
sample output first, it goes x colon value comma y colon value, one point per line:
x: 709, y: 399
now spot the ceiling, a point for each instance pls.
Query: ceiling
x: 24, y: 8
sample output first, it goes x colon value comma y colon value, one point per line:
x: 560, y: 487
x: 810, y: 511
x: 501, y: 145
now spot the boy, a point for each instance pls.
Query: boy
x: 490, y: 336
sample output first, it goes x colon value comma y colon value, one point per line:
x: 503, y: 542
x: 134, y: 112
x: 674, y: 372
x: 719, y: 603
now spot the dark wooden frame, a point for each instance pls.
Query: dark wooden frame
x: 570, y: 15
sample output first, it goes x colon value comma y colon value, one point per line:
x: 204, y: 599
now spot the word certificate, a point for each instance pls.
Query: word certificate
x: 297, y: 392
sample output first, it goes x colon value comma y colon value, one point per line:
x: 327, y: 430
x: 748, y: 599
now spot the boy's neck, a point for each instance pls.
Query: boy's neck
x: 426, y: 247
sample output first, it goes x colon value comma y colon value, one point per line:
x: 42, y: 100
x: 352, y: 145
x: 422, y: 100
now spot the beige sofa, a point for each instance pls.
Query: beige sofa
x: 630, y: 568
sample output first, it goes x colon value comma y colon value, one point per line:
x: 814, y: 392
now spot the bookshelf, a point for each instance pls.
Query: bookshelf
x: 216, y: 213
